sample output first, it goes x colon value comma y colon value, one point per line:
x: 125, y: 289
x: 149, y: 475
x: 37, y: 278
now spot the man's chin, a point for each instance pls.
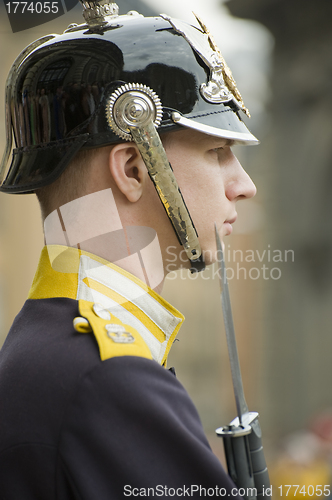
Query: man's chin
x: 213, y: 255
x: 176, y: 260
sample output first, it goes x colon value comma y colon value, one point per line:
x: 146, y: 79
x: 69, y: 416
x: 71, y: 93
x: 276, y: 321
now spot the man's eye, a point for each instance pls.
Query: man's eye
x: 218, y: 150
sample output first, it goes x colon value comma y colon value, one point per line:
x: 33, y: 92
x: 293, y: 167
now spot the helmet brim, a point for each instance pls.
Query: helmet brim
x: 219, y: 124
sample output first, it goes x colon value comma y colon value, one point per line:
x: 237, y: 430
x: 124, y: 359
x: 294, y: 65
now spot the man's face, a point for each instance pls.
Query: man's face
x: 211, y: 180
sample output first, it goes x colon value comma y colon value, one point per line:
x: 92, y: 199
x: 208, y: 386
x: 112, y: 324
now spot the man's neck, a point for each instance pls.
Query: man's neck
x: 92, y: 223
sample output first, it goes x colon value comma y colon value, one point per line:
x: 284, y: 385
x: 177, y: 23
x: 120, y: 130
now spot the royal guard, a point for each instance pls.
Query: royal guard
x: 123, y: 128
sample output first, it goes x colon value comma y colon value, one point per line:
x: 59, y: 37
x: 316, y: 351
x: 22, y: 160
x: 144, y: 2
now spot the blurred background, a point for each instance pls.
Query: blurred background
x: 280, y: 253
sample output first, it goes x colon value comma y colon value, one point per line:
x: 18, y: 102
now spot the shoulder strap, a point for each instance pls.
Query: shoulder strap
x: 114, y: 338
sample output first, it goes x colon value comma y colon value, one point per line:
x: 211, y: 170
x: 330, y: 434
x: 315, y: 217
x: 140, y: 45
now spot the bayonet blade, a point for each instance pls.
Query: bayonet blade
x: 241, y: 405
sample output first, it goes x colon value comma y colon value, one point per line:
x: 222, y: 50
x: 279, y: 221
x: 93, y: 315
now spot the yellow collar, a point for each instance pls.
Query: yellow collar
x: 75, y: 274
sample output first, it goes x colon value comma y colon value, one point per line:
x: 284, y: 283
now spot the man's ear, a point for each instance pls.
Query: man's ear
x: 128, y: 170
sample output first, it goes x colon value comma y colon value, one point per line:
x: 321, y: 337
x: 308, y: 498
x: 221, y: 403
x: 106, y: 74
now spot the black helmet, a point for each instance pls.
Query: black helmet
x: 75, y: 91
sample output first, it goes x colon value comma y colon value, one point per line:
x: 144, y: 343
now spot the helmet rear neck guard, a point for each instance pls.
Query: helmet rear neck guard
x: 114, y: 79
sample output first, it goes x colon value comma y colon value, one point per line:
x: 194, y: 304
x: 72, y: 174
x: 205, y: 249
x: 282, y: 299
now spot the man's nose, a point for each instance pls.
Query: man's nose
x: 240, y: 185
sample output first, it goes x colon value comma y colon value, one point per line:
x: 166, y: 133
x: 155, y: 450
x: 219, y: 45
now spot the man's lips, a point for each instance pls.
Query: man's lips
x: 228, y: 225
x: 231, y: 221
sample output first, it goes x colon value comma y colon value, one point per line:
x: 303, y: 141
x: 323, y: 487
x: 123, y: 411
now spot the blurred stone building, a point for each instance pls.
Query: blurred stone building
x: 297, y: 156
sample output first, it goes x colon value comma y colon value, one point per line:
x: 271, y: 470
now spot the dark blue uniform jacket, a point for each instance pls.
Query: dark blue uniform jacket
x: 75, y: 427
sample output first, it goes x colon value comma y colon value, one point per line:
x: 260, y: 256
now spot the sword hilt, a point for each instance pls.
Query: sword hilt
x: 245, y: 456
x: 261, y: 475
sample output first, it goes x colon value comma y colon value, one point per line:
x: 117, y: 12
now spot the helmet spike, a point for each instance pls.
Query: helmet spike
x: 98, y: 12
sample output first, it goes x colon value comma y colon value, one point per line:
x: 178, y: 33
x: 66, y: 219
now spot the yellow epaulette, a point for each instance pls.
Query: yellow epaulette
x: 114, y: 337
